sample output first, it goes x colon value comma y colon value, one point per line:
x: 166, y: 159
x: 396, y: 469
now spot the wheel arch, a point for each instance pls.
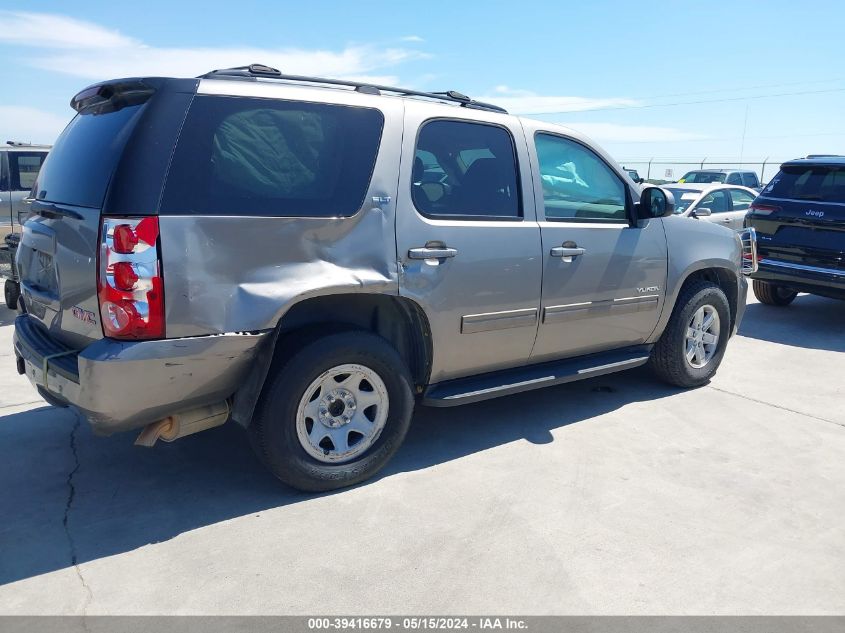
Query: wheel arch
x: 718, y: 272
x: 400, y: 321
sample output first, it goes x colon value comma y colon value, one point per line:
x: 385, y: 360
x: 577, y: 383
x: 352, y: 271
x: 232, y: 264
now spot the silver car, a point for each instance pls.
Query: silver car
x: 312, y: 258
x: 723, y: 204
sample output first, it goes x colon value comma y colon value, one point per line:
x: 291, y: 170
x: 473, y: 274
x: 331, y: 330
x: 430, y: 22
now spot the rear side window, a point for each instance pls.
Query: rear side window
x: 823, y: 183
x: 749, y: 179
x: 262, y: 157
x: 79, y: 167
x: 464, y: 169
x: 741, y: 199
x: 24, y: 167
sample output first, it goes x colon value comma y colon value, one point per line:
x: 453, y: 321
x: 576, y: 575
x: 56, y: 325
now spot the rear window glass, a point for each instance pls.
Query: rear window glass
x: 820, y: 183
x: 264, y: 157
x: 24, y: 167
x: 79, y: 167
x: 465, y: 170
x: 749, y: 179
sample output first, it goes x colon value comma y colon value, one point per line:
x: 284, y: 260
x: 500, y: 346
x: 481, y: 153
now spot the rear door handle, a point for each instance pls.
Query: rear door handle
x: 431, y: 253
x: 564, y: 251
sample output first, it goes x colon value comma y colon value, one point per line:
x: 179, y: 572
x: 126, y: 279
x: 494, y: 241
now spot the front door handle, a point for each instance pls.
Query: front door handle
x: 565, y: 251
x: 726, y: 221
x: 431, y: 253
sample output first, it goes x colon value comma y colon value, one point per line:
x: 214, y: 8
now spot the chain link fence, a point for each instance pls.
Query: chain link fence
x: 660, y: 170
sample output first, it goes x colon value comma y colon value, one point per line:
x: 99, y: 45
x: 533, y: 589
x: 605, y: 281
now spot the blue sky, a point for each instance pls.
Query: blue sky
x: 670, y: 80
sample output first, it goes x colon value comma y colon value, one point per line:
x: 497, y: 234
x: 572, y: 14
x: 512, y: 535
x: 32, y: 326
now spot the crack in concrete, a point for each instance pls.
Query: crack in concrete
x: 89, y: 596
x: 776, y: 406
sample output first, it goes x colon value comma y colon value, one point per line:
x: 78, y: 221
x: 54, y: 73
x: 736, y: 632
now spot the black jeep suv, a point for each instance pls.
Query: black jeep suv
x: 800, y: 224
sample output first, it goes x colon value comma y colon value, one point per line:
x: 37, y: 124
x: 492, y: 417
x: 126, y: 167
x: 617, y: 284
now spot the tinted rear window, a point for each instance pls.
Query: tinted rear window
x: 265, y: 157
x: 80, y: 165
x: 820, y: 183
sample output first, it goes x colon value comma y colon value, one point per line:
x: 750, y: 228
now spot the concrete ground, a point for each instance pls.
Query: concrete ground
x: 616, y: 495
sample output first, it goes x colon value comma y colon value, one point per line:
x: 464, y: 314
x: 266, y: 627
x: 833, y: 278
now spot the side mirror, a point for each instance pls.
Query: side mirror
x: 655, y: 203
x: 702, y: 212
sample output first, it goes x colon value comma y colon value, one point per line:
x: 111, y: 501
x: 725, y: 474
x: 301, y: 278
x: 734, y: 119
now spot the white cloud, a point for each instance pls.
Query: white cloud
x: 87, y: 50
x: 30, y: 125
x: 412, y: 38
x: 58, y: 31
x: 527, y: 102
x: 615, y: 133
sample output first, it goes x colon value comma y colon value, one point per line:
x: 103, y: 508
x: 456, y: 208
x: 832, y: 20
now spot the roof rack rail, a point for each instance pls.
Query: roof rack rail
x: 256, y: 71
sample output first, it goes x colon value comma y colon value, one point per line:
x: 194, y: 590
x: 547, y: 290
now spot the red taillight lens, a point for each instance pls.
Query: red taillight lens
x: 130, y: 285
x: 763, y: 209
x: 124, y: 239
x: 125, y: 277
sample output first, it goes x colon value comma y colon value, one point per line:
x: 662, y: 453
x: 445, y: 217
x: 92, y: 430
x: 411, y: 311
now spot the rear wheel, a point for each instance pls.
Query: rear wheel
x: 772, y: 294
x: 11, y: 294
x: 691, y: 347
x: 335, y: 413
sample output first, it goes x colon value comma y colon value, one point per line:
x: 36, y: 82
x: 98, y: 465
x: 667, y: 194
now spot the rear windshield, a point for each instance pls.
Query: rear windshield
x: 79, y: 167
x: 264, y: 157
x: 703, y: 176
x: 818, y: 182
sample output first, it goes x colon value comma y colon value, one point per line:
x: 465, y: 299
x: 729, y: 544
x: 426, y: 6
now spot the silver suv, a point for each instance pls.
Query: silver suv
x: 19, y: 165
x: 311, y: 258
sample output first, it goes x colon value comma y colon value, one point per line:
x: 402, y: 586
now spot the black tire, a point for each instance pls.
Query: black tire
x: 11, y: 294
x: 772, y: 294
x: 668, y: 358
x: 273, y: 429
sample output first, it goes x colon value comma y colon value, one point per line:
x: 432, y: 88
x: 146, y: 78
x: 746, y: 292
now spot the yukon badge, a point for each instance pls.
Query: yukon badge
x: 86, y: 316
x: 649, y: 289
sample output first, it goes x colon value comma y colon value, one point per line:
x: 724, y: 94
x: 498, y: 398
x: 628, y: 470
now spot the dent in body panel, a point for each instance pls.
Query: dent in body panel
x: 227, y: 274
x: 242, y: 272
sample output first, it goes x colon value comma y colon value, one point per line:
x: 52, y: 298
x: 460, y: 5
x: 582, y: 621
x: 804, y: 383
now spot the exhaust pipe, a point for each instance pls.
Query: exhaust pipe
x: 186, y: 423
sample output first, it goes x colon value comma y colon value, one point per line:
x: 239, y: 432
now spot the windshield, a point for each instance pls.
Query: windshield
x: 683, y: 198
x: 633, y: 174
x: 703, y: 176
x: 818, y: 182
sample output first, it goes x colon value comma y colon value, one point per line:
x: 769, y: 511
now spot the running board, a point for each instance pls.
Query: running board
x: 451, y: 393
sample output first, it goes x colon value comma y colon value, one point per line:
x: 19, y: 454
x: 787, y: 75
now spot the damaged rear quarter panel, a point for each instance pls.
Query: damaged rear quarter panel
x: 242, y: 273
x: 233, y: 274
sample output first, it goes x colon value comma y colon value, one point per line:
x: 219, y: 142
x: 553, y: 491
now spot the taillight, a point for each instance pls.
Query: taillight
x: 129, y: 285
x: 762, y: 209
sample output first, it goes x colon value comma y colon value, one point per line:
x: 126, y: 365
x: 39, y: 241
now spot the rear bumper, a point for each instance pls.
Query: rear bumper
x: 120, y: 386
x: 802, y: 277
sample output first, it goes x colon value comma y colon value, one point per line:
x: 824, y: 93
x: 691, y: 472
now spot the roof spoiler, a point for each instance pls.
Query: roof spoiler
x: 111, y: 96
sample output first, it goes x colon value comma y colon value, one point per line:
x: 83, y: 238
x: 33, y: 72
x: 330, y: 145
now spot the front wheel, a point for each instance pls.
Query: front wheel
x: 691, y: 347
x: 772, y: 294
x: 334, y: 413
